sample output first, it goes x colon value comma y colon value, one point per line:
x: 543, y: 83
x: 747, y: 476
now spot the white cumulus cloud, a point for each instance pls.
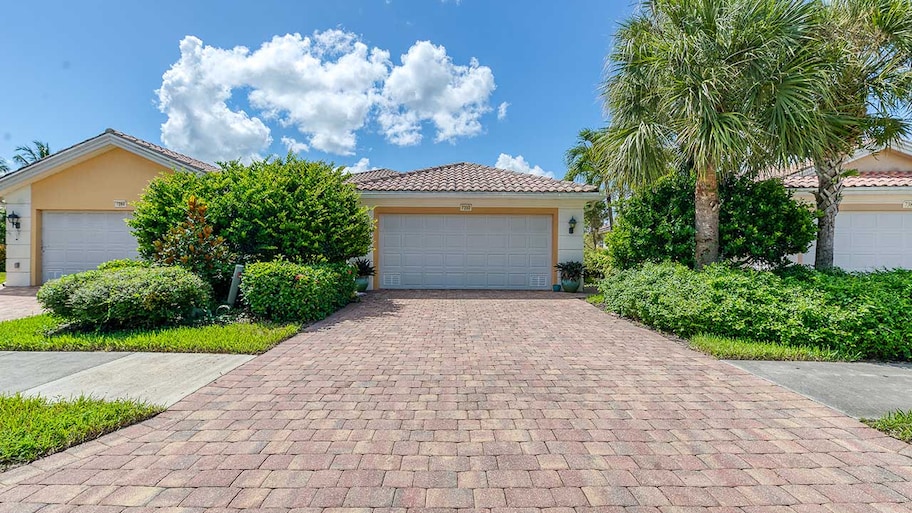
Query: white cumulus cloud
x: 502, y: 110
x: 327, y: 87
x: 361, y: 166
x: 294, y: 145
x: 429, y: 87
x: 520, y: 165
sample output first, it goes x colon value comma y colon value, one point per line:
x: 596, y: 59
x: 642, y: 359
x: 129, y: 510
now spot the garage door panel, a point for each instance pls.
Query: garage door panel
x: 476, y: 251
x: 72, y: 242
x: 866, y: 241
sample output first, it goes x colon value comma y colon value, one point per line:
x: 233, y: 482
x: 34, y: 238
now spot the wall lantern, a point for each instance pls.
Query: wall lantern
x: 14, y: 220
x: 572, y: 223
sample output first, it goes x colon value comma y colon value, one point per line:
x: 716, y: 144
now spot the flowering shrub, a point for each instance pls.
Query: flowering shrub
x: 285, y: 291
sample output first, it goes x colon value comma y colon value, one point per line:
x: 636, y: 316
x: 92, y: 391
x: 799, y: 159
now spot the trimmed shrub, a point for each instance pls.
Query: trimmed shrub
x: 121, y: 263
x: 759, y: 223
x: 867, y: 315
x: 130, y: 297
x: 286, y: 291
x: 292, y: 208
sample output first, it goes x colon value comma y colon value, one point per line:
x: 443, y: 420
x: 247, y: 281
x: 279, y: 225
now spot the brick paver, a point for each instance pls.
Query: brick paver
x: 501, y: 402
x: 17, y: 302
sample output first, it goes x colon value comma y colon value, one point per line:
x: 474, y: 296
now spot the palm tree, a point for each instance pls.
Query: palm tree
x: 26, y: 155
x: 584, y: 165
x: 4, y: 167
x: 871, y: 41
x: 722, y: 87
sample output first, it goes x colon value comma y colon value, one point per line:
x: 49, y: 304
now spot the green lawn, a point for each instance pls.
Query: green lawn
x: 735, y: 349
x: 42, y: 333
x: 897, y: 424
x: 32, y: 427
x: 2, y: 278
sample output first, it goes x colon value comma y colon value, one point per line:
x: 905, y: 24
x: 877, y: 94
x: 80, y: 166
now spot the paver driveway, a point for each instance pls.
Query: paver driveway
x: 16, y: 302
x: 480, y: 400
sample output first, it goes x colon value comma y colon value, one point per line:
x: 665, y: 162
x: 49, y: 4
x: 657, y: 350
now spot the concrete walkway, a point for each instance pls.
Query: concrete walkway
x: 862, y: 390
x: 156, y: 378
x: 487, y: 402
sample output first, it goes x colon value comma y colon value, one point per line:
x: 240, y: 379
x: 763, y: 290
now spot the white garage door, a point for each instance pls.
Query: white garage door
x: 465, y: 251
x: 78, y: 241
x: 871, y: 240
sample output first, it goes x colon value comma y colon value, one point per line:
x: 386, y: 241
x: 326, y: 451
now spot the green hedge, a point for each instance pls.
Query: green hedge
x: 285, y: 291
x: 859, y: 314
x: 129, y: 297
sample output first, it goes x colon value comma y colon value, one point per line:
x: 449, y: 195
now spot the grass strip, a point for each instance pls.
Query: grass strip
x: 739, y: 349
x: 32, y: 427
x: 43, y: 333
x: 897, y: 424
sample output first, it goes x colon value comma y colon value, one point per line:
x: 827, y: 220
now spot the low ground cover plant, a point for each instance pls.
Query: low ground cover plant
x: 858, y: 315
x: 726, y: 348
x: 33, y: 427
x: 286, y: 291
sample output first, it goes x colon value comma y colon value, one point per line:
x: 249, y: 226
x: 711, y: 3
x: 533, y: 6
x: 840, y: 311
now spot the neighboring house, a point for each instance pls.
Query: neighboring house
x: 455, y: 226
x: 72, y: 205
x: 874, y: 224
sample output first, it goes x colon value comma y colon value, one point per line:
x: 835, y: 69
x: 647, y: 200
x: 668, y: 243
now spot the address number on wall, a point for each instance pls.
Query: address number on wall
x: 907, y: 204
x: 120, y: 203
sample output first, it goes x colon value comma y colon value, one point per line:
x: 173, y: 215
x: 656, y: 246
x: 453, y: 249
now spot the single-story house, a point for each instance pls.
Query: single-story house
x: 874, y: 223
x: 455, y: 226
x: 71, y: 205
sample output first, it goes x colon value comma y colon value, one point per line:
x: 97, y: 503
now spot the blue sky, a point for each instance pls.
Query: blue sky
x: 341, y: 90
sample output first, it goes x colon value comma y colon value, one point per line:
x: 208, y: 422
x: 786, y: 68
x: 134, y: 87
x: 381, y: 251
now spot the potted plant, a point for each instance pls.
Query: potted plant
x: 365, y: 271
x: 571, y: 274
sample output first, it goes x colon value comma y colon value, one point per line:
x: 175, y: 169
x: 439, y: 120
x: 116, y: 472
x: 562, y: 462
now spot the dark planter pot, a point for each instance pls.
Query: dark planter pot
x: 361, y: 283
x: 556, y: 288
x: 570, y: 285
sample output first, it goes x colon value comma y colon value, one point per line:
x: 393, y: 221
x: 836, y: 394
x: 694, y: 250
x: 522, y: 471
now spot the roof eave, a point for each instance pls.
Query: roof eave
x: 588, y: 195
x: 47, y: 165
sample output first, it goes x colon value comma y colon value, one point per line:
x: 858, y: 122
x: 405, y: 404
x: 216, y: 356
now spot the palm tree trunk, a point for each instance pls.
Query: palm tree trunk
x: 610, y: 209
x: 707, y: 217
x: 828, y: 195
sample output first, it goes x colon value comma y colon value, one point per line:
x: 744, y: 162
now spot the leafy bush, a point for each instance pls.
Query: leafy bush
x: 867, y: 315
x: 127, y: 297
x: 194, y: 246
x: 2, y: 258
x: 286, y: 291
x: 304, y: 211
x: 759, y: 223
x: 596, y: 262
x: 121, y: 263
x: 571, y: 270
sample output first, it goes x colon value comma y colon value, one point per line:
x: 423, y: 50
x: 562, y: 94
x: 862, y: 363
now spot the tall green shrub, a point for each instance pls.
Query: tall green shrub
x: 760, y: 223
x: 300, y: 210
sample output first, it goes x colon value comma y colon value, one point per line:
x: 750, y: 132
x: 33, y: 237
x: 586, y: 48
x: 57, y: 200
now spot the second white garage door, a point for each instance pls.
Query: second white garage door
x: 867, y: 241
x: 78, y: 241
x: 469, y: 251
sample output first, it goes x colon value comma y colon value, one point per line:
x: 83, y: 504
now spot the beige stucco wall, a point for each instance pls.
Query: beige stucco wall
x: 568, y: 247
x: 886, y: 160
x: 91, y: 184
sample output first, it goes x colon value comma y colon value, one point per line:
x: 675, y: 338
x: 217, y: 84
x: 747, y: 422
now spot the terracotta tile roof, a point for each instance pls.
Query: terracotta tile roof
x: 187, y: 161
x: 373, y: 174
x: 468, y: 177
x: 864, y: 179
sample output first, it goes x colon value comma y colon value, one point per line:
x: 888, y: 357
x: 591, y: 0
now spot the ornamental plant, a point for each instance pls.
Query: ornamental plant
x: 193, y: 245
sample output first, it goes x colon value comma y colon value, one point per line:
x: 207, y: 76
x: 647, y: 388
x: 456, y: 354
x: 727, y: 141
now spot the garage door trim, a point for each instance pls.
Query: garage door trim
x: 378, y: 211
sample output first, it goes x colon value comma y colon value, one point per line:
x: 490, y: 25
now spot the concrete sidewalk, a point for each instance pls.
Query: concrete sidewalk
x: 862, y: 390
x: 156, y: 378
